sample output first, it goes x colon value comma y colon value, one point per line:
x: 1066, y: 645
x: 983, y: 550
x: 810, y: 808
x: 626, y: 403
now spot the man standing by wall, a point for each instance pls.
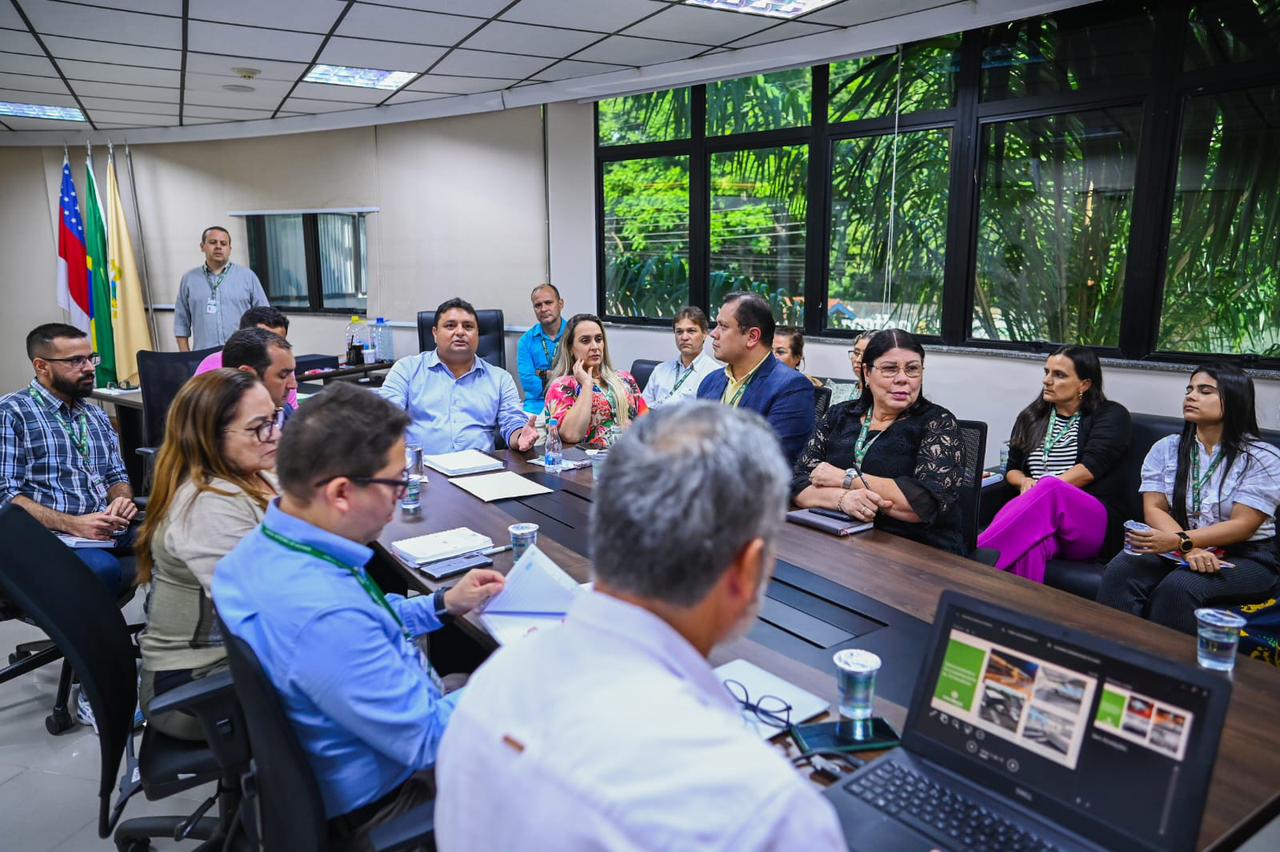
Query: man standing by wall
x: 214, y: 295
x: 537, y: 347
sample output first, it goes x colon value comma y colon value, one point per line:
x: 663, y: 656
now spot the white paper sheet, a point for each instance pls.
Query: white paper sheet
x: 500, y: 486
x: 462, y: 463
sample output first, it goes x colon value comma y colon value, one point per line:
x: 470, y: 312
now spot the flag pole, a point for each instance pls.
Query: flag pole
x: 142, y: 247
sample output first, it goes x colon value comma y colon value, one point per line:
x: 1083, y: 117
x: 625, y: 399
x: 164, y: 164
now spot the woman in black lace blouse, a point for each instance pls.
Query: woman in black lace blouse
x: 907, y: 449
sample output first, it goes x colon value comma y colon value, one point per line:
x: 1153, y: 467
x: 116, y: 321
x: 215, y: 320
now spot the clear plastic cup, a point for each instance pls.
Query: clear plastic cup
x: 1217, y: 635
x: 856, y: 678
x: 1133, y: 526
x: 523, y: 537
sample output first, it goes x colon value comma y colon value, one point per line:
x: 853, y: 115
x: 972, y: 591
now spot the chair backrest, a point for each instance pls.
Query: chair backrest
x: 973, y: 435
x: 290, y: 809
x: 821, y: 402
x: 60, y: 594
x: 161, y: 374
x: 492, y: 346
x: 641, y: 370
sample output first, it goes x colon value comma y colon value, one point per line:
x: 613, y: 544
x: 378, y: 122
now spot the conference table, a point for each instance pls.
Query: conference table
x: 875, y: 591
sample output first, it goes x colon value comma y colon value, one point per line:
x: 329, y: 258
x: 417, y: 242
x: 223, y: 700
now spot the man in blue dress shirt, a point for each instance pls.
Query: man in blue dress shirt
x: 365, y: 705
x: 536, y: 350
x: 455, y: 400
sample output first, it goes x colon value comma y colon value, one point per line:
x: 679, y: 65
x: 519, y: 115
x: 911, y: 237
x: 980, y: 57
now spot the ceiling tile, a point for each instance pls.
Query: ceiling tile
x: 45, y: 124
x: 13, y: 41
x: 139, y: 119
x: 393, y: 24
x: 705, y: 26
x: 225, y: 113
x: 104, y: 51
x: 523, y: 38
x: 216, y: 83
x: 638, y: 51
x: 301, y: 15
x: 232, y: 100
x: 572, y: 68
x: 100, y: 72
x: 9, y: 17
x: 32, y: 83
x: 117, y: 90
x: 349, y: 94
x: 20, y: 63
x: 157, y: 7
x: 482, y: 63
x: 122, y: 105
x: 308, y: 106
x: 408, y: 97
x: 221, y: 65
x: 384, y: 55
x: 245, y: 41
x: 782, y: 32
x: 849, y: 13
x: 472, y: 8
x: 458, y: 85
x: 600, y: 15
x: 51, y: 18
x: 21, y: 96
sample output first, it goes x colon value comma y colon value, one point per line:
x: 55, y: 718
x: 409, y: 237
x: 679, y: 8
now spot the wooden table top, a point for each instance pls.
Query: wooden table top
x: 1244, y: 792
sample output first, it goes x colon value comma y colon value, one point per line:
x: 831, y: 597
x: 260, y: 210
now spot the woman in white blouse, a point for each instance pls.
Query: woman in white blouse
x: 1210, y: 496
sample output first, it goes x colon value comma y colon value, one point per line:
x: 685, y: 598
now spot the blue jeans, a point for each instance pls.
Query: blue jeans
x: 113, y: 565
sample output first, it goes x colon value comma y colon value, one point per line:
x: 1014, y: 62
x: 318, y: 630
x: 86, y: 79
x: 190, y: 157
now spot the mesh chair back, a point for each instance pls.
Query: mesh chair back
x: 821, y: 402
x: 641, y: 370
x: 492, y: 347
x: 290, y: 810
x: 161, y: 374
x: 65, y: 599
x: 973, y: 435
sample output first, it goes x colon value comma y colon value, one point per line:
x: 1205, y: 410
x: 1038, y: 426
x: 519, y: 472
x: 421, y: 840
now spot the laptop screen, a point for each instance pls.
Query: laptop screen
x: 1104, y: 740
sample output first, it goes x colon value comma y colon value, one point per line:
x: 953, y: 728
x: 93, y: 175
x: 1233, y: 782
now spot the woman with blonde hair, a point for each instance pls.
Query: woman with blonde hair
x: 594, y: 417
x: 212, y: 485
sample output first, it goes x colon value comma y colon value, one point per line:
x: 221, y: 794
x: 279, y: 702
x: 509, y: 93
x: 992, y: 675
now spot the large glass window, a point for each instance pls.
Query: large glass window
x: 758, y: 212
x: 868, y: 87
x: 282, y: 265
x: 343, y: 265
x: 311, y: 261
x: 1226, y: 31
x: 1222, y: 280
x: 651, y: 117
x: 646, y: 237
x: 759, y: 102
x: 888, y: 192
x: 1056, y: 199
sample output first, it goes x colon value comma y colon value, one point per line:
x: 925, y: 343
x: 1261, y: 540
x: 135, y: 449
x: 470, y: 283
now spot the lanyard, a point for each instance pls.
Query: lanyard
x: 80, y: 441
x: 1198, y: 482
x: 862, y: 445
x: 549, y: 352
x: 1052, y: 438
x: 680, y: 379
x: 214, y: 284
x: 742, y: 388
x: 366, y: 582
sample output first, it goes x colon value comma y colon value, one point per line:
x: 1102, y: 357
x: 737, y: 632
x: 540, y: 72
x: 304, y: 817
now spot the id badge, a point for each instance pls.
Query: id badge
x: 99, y: 487
x: 211, y: 306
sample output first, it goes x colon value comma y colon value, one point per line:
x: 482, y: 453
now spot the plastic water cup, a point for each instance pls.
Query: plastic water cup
x: 1004, y: 458
x: 411, y: 502
x: 1217, y: 634
x: 597, y: 463
x: 856, y: 678
x: 1133, y: 526
x: 523, y: 537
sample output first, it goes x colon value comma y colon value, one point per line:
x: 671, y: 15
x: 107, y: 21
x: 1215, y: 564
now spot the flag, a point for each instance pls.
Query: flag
x: 99, y: 282
x: 73, y: 274
x: 128, y: 309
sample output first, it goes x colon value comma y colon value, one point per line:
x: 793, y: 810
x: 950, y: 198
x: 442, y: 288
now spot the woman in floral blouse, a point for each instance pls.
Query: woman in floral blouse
x: 594, y: 419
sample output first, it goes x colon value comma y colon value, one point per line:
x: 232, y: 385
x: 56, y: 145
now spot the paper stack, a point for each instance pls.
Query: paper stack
x: 537, y: 595
x: 462, y: 463
x: 442, y: 545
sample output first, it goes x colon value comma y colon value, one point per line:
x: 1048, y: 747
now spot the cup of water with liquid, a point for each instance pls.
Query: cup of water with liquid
x: 856, y: 678
x: 1133, y: 526
x: 523, y: 537
x: 1217, y: 634
x: 411, y: 502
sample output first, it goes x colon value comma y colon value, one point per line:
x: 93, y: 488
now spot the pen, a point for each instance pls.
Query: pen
x: 489, y: 551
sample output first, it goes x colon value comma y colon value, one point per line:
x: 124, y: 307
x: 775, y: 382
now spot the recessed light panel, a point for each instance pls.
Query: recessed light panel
x: 56, y: 113
x: 771, y: 8
x: 364, y: 78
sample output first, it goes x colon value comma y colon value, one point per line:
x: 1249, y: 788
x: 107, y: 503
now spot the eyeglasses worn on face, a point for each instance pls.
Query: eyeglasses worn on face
x: 267, y: 429
x: 890, y: 371
x: 397, y: 486
x: 78, y: 361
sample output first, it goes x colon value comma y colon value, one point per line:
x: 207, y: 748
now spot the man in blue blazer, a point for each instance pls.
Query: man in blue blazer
x: 753, y: 378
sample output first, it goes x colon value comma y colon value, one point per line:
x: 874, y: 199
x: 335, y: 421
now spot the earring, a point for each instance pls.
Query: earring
x: 1080, y: 395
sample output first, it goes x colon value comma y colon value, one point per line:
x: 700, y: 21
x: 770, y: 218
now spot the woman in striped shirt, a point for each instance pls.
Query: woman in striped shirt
x: 1064, y: 459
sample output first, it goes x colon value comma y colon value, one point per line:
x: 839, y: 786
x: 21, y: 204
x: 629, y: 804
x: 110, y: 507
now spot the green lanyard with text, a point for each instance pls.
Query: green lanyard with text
x: 1053, y: 438
x: 681, y: 379
x: 366, y: 582
x: 742, y: 388
x: 80, y: 441
x: 1198, y: 482
x: 214, y: 284
x: 862, y: 445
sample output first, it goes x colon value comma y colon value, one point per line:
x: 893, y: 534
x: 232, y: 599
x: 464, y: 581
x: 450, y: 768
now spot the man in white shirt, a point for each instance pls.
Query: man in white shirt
x: 679, y: 378
x: 611, y: 730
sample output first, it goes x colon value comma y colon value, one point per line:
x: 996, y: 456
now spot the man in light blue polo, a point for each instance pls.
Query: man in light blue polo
x: 456, y: 400
x: 213, y: 296
x: 536, y: 350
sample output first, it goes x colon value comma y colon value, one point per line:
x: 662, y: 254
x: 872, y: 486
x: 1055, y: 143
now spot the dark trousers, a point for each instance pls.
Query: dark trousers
x: 1153, y: 587
x: 350, y: 832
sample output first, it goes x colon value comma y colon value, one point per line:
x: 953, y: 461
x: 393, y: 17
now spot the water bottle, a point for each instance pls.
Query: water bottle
x: 382, y: 346
x: 554, y: 460
x: 411, y: 502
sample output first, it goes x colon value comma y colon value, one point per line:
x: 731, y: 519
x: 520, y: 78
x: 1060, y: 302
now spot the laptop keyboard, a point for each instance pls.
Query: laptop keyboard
x: 940, y: 813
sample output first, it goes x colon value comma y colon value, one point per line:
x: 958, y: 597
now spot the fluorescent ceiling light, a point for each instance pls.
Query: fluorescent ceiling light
x: 56, y: 113
x: 365, y: 78
x: 772, y: 8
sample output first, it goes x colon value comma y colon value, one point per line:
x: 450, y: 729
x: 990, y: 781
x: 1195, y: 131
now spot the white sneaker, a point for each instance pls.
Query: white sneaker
x: 84, y: 713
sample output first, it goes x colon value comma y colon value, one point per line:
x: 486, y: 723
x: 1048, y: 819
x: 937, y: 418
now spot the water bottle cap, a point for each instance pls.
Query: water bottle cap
x: 553, y: 422
x: 381, y: 319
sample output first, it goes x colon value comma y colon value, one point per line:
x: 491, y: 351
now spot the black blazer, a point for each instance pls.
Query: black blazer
x: 1102, y: 444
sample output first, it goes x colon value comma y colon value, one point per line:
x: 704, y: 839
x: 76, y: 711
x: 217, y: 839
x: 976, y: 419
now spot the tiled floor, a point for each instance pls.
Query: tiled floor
x: 49, y: 785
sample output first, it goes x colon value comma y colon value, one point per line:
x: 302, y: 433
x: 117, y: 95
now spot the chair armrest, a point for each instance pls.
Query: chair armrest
x: 213, y: 701
x: 991, y: 499
x: 190, y: 696
x: 409, y: 830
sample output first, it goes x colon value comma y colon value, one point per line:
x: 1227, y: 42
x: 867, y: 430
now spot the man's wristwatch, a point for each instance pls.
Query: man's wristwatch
x: 848, y: 478
x: 437, y: 601
x: 1184, y: 542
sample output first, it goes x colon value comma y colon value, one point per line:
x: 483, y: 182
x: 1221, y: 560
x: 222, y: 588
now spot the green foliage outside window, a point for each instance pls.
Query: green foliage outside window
x: 646, y: 236
x: 868, y: 87
x: 651, y: 117
x: 1226, y: 31
x: 759, y: 102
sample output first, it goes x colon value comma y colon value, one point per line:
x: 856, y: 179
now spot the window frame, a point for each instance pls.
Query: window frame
x: 255, y: 226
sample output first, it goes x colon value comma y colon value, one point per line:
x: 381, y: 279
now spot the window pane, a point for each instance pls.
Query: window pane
x: 1053, y: 227
x: 863, y: 192
x: 759, y: 102
x: 868, y: 88
x: 651, y: 117
x: 1098, y: 46
x: 646, y: 237
x: 342, y: 261
x: 1225, y: 31
x: 286, y: 262
x: 758, y: 205
x: 1222, y: 282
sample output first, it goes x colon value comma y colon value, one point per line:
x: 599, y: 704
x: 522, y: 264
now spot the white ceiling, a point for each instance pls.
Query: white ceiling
x: 157, y: 68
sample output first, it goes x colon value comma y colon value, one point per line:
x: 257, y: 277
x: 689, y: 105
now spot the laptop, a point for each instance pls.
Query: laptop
x: 1023, y: 734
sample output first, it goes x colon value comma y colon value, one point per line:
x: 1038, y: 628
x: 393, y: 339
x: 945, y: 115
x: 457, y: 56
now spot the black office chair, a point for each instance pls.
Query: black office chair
x: 160, y: 375
x: 641, y: 370
x: 67, y: 601
x: 283, y: 794
x: 29, y: 656
x: 821, y: 402
x: 973, y: 434
x: 492, y: 346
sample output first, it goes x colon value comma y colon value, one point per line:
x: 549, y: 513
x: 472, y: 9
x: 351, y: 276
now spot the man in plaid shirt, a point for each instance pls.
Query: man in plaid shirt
x: 59, y: 457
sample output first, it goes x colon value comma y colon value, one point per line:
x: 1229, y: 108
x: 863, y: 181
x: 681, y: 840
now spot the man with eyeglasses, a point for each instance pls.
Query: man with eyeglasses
x: 367, y: 708
x: 60, y: 458
x: 612, y: 730
x: 269, y: 357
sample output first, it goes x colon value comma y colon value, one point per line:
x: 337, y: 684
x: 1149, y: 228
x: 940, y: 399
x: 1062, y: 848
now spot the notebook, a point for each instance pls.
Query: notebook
x: 433, y: 547
x: 758, y: 682
x: 537, y: 596
x: 462, y: 463
x: 500, y: 486
x: 76, y: 541
x: 828, y: 523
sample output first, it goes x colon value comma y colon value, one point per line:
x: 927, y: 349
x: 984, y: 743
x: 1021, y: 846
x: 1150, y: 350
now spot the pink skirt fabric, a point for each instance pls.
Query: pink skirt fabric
x: 1052, y: 519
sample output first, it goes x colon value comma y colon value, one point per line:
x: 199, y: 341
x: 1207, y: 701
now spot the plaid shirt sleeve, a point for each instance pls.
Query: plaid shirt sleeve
x: 13, y: 456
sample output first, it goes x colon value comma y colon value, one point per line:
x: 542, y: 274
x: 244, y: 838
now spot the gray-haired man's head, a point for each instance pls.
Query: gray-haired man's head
x: 682, y: 494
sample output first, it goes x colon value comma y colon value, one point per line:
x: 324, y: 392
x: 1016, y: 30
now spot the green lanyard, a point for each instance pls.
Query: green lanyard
x: 366, y: 582
x: 742, y: 388
x: 215, y: 284
x: 862, y: 445
x: 80, y: 441
x: 549, y: 352
x: 681, y: 379
x: 1198, y: 482
x: 1052, y: 438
